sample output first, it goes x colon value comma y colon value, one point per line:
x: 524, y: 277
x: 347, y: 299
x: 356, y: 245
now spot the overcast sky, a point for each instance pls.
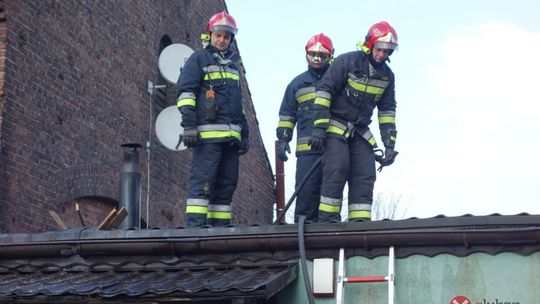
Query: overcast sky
x: 466, y: 87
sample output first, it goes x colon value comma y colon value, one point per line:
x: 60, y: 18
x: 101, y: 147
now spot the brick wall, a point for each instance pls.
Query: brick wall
x: 2, y: 65
x: 75, y: 89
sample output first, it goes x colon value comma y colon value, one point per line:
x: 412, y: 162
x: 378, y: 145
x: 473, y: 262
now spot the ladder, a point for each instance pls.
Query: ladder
x: 341, y: 279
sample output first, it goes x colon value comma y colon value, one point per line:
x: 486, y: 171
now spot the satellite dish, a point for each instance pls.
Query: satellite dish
x: 168, y: 128
x: 172, y: 60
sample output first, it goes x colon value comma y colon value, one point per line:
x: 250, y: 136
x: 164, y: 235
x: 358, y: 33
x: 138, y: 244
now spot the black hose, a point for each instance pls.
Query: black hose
x: 300, y: 186
x: 303, y: 259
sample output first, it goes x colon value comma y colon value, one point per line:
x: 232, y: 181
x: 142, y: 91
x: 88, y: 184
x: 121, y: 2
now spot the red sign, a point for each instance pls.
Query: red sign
x: 460, y: 300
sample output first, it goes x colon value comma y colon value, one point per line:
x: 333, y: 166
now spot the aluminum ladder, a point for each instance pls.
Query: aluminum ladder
x: 341, y: 280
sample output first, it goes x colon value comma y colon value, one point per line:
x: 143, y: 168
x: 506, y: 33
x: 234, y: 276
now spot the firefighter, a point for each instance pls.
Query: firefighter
x: 346, y: 96
x: 210, y: 101
x: 296, y: 110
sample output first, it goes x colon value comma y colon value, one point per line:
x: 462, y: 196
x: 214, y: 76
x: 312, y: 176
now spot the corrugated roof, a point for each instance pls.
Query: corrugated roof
x: 149, y: 279
x: 248, y: 261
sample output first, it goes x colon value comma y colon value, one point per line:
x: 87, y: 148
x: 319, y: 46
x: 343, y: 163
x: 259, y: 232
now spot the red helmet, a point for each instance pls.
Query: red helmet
x: 222, y: 21
x: 381, y: 35
x: 320, y: 43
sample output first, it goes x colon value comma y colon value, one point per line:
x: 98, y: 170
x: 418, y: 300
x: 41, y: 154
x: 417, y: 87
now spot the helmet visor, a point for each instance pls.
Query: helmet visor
x: 317, y: 57
x: 385, y: 45
x: 224, y: 28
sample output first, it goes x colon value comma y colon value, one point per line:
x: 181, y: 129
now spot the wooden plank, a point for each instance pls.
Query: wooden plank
x: 79, y: 213
x: 118, y: 218
x: 58, y: 220
x: 107, y: 220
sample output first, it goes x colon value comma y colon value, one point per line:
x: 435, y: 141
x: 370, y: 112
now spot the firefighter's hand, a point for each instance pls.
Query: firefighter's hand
x: 244, y: 146
x: 387, y: 159
x: 379, y: 156
x: 283, y: 149
x: 190, y: 137
x: 389, y: 156
x: 316, y: 141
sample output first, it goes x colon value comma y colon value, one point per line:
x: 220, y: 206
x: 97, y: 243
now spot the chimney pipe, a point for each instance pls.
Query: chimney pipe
x: 130, y: 186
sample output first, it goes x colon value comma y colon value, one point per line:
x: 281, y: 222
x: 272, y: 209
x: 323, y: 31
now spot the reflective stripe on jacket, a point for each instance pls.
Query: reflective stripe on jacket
x: 217, y: 131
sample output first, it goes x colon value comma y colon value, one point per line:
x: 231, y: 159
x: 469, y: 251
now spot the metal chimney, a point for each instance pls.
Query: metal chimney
x: 130, y: 186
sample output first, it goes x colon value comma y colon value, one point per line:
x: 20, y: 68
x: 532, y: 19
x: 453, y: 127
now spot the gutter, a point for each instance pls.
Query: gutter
x: 129, y: 243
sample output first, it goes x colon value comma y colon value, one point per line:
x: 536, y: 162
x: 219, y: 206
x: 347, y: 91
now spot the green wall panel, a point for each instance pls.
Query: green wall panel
x: 505, y: 278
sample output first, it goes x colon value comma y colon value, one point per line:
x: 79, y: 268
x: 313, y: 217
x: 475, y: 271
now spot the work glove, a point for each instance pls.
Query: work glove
x: 190, y: 137
x: 379, y: 155
x: 244, y: 146
x: 283, y: 149
x: 390, y: 156
x: 316, y: 141
x: 387, y: 159
x: 210, y: 107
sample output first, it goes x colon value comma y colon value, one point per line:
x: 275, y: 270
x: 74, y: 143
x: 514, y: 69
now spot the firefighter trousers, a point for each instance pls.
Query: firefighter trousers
x: 307, y: 199
x: 213, y: 180
x: 349, y: 161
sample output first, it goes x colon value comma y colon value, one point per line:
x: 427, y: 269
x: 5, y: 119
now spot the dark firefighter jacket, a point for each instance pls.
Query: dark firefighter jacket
x: 297, y: 109
x: 208, y: 69
x: 348, y: 93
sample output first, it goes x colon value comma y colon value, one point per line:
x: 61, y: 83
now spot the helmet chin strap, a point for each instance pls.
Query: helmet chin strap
x: 318, y: 70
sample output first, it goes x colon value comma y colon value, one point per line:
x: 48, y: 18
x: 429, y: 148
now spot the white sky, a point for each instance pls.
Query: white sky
x: 466, y: 86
